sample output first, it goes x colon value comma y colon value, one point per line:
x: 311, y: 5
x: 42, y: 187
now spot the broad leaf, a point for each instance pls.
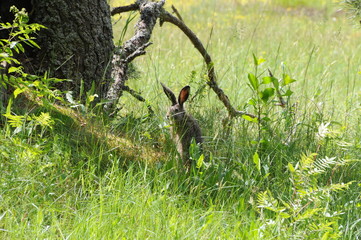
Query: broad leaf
x: 254, y: 81
x: 257, y: 161
x: 266, y: 94
x: 258, y: 61
x: 250, y: 119
x: 287, y: 80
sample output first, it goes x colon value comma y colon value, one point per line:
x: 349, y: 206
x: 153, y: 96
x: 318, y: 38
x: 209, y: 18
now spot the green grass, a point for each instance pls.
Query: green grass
x: 73, y: 182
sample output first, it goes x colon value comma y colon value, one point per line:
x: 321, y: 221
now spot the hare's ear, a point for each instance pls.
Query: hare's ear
x: 169, y: 94
x: 183, y: 95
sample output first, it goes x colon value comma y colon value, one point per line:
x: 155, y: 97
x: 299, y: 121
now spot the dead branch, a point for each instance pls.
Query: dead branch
x: 149, y: 12
x: 134, y: 47
x: 140, y: 51
x: 175, y: 11
x: 122, y: 9
x: 212, y: 78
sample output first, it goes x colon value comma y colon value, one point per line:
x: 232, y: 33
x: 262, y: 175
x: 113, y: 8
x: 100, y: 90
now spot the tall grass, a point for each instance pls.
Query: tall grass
x: 278, y: 180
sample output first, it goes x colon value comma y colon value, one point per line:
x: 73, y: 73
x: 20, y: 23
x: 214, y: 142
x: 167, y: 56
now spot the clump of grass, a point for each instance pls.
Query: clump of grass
x: 354, y: 9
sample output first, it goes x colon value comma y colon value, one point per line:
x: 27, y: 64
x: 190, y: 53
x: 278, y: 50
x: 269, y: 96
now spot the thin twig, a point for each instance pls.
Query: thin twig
x: 122, y: 9
x: 139, y: 97
x: 140, y: 51
x: 177, y: 13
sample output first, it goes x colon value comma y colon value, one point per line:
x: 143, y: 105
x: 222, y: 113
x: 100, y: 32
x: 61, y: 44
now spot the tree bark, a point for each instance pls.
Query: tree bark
x: 134, y: 47
x: 77, y: 44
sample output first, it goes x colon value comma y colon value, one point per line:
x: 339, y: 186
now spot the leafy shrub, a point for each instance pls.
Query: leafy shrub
x: 16, y: 81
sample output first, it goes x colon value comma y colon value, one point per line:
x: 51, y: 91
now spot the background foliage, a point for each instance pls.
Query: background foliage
x: 70, y: 172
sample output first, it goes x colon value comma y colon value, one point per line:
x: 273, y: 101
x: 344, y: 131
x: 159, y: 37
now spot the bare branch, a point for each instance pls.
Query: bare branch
x: 212, y: 78
x: 133, y: 48
x: 140, y: 51
x: 150, y: 12
x: 122, y: 9
x: 177, y: 13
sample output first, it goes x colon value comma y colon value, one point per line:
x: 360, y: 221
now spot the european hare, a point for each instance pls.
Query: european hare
x: 183, y: 126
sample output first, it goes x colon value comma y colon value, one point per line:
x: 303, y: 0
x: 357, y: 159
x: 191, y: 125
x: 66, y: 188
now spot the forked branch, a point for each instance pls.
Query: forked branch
x: 212, y: 78
x: 165, y: 16
x: 134, y: 47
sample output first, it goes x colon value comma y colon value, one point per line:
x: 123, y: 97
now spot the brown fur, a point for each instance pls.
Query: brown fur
x: 184, y: 127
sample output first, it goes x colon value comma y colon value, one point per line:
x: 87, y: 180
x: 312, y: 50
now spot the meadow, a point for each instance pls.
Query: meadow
x: 295, y: 174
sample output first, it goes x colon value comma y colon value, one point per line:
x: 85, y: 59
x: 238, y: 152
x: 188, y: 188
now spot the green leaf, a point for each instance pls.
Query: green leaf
x: 44, y: 120
x: 258, y: 61
x: 91, y: 98
x: 276, y: 83
x: 32, y: 43
x: 267, y: 80
x: 257, y: 161
x: 288, y: 93
x: 287, y: 80
x: 18, y: 91
x: 291, y: 168
x: 8, y: 108
x: 250, y: 119
x: 284, y: 215
x: 252, y: 102
x: 81, y: 91
x: 14, y: 120
x: 266, y: 94
x: 200, y: 161
x: 254, y: 81
x: 20, y: 46
x: 13, y: 69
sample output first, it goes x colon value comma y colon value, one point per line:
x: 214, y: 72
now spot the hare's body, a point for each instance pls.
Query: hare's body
x: 183, y: 132
x: 183, y: 126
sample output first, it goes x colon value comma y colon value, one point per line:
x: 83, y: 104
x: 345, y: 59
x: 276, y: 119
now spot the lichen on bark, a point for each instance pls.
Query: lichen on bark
x: 77, y: 44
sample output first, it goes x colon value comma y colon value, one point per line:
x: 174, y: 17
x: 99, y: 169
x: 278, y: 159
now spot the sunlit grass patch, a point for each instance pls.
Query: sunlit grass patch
x: 191, y: 3
x: 295, y: 174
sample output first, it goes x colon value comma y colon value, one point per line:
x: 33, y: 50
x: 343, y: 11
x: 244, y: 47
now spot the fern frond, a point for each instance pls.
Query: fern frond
x: 266, y: 200
x: 323, y: 131
x: 14, y: 120
x: 306, y: 161
x: 337, y: 187
x: 321, y: 165
x: 322, y: 226
x: 44, y: 120
x: 309, y: 213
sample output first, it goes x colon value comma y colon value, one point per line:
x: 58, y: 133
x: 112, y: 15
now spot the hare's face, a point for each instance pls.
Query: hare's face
x: 176, y: 113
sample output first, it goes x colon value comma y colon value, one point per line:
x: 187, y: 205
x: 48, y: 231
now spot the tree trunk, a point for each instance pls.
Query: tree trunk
x: 77, y: 44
